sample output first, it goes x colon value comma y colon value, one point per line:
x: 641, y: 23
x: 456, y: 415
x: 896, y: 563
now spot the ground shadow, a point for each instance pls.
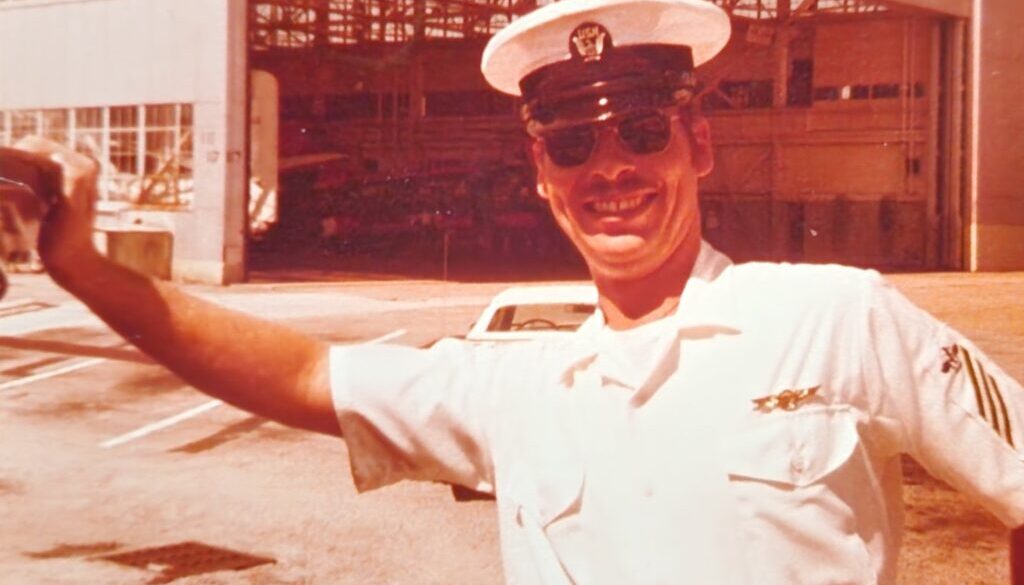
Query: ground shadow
x: 119, y: 352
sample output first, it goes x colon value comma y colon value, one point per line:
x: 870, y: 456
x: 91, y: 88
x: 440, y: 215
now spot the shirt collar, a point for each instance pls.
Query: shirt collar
x: 698, y: 313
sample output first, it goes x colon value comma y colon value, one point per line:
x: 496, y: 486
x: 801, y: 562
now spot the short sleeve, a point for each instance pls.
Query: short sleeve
x: 951, y: 407
x: 408, y: 413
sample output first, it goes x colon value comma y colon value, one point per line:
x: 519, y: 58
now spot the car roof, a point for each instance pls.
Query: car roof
x: 547, y: 293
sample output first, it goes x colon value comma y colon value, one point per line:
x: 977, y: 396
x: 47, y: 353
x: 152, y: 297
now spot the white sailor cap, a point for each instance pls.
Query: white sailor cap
x: 585, y: 59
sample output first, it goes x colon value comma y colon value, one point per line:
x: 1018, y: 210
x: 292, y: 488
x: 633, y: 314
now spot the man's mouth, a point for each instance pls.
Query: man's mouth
x: 620, y: 204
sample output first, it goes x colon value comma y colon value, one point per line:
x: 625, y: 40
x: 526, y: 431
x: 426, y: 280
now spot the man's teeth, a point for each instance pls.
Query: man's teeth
x: 617, y: 205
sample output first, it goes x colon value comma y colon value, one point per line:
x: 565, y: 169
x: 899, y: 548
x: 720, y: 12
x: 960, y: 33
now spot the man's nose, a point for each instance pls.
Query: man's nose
x: 610, y: 159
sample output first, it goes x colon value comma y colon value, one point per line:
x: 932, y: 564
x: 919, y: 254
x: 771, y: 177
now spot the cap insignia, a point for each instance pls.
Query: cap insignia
x: 589, y: 41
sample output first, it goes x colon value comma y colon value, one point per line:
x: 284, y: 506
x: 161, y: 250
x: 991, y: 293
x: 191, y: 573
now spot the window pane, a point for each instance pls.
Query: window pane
x: 123, y: 151
x: 826, y: 94
x: 168, y: 157
x: 89, y: 131
x: 186, y: 149
x: 160, y: 153
x: 885, y: 91
x: 23, y: 123
x: 55, y: 125
x: 860, y: 92
x: 161, y: 168
x: 88, y: 118
x: 185, y: 185
x: 124, y: 117
x: 123, y: 180
x: 89, y: 142
x: 160, y: 115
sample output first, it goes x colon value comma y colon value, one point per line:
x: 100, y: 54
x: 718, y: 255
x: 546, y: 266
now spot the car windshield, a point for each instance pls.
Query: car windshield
x: 541, y: 316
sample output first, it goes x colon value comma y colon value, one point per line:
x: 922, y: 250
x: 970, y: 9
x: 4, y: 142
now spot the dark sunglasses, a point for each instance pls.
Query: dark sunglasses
x: 640, y: 133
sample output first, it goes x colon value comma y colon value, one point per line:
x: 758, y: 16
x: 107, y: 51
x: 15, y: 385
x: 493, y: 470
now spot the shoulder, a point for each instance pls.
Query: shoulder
x: 806, y: 289
x: 510, y: 360
x: 805, y: 281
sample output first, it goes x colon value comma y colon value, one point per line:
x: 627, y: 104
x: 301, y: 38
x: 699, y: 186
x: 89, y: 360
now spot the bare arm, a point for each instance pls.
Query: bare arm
x: 254, y: 364
x: 257, y: 365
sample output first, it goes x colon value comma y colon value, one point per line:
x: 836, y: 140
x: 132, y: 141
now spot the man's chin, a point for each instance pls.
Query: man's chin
x: 616, y: 256
x: 616, y: 248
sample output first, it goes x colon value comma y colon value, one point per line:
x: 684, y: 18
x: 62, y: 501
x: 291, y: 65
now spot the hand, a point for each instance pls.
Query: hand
x: 66, y: 233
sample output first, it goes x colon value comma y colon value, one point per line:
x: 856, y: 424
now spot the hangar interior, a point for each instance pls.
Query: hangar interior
x: 830, y: 118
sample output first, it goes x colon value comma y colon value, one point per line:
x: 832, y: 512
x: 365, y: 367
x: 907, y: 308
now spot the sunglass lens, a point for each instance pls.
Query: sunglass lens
x: 645, y: 133
x: 570, y: 147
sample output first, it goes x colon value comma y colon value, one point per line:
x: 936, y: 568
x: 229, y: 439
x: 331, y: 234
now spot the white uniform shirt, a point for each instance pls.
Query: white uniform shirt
x: 752, y: 437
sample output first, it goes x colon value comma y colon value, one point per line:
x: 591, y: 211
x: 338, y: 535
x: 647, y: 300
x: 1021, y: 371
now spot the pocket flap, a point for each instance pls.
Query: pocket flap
x: 793, y: 448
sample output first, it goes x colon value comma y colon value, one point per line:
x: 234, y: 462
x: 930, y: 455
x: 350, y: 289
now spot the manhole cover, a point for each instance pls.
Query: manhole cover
x: 10, y: 309
x: 184, y: 559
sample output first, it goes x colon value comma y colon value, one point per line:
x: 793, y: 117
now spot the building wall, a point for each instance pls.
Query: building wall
x: 997, y: 195
x: 124, y: 52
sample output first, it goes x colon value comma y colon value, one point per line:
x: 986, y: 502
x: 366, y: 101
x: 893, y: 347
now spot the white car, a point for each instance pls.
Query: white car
x: 520, y: 313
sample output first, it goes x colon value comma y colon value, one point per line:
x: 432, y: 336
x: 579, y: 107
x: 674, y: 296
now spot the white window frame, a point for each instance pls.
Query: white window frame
x: 139, y: 129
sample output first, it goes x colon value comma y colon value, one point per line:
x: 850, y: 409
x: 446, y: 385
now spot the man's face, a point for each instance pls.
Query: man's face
x: 629, y: 213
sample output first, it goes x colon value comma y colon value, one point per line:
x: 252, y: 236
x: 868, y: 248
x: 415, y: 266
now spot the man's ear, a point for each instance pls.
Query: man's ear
x: 702, y: 154
x: 542, y: 190
x: 537, y: 157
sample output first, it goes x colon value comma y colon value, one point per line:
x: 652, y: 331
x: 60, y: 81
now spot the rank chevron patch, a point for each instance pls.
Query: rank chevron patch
x: 989, y: 399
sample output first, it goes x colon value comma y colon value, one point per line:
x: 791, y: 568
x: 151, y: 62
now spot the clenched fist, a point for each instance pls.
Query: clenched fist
x: 66, y: 233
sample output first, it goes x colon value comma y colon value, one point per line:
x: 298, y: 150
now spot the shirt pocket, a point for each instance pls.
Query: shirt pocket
x: 797, y: 488
x: 793, y: 449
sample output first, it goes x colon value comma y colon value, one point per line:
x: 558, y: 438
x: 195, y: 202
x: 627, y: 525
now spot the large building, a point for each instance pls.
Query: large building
x: 876, y: 133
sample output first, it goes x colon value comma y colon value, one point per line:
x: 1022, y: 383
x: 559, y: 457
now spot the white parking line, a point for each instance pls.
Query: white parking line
x: 173, y: 420
x: 50, y: 373
x: 161, y: 424
x: 387, y: 337
x: 61, y: 316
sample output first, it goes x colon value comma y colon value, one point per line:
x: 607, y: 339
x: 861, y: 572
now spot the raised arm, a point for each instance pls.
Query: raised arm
x: 257, y: 365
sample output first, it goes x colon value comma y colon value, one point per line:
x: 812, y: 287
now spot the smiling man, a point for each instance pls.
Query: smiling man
x: 712, y: 423
x: 617, y: 151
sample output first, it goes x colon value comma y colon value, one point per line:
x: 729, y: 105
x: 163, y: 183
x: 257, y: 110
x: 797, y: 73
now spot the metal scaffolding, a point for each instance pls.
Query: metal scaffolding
x: 773, y: 9
x: 314, y: 23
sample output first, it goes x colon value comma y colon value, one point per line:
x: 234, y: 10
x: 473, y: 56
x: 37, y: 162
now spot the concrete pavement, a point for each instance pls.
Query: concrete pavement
x: 225, y: 479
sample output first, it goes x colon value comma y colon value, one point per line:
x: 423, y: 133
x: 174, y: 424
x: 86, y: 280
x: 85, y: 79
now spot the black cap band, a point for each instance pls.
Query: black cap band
x: 623, y: 78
